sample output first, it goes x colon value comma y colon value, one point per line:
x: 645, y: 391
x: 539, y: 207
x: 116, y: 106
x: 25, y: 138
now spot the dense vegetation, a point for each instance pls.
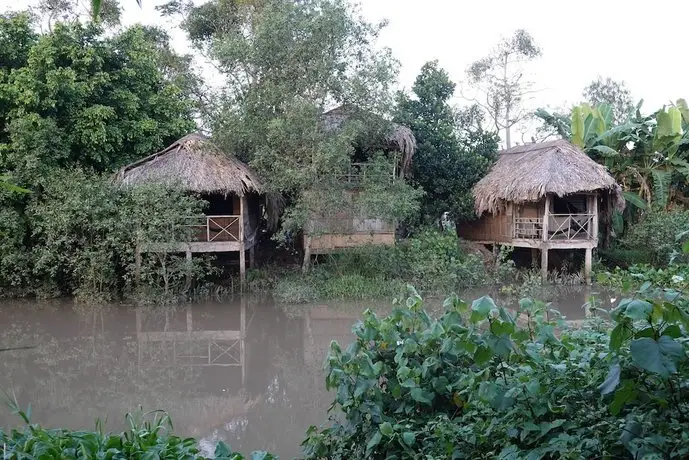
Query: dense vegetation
x: 75, y: 104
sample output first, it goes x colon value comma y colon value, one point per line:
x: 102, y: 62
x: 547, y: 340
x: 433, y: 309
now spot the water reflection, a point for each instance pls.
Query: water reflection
x: 247, y: 372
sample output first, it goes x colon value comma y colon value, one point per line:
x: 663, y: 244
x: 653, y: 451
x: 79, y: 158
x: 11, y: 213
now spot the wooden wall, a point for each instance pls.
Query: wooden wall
x: 489, y: 227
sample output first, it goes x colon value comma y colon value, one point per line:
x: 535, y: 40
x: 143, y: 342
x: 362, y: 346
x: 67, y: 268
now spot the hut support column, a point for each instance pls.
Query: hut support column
x: 587, y: 265
x: 544, y: 264
x: 242, y: 266
x: 189, y: 269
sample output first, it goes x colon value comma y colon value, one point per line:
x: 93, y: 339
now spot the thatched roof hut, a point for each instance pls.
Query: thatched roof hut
x: 394, y: 137
x: 527, y: 173
x: 195, y: 164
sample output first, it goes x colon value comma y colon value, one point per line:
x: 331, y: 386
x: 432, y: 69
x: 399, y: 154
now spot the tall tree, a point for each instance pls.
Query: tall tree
x: 499, y: 81
x: 285, y: 63
x: 76, y: 97
x: 454, y: 151
x: 614, y: 93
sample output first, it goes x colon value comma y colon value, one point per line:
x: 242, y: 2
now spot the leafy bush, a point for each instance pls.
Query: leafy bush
x: 638, y: 275
x: 480, y: 382
x: 657, y: 234
x: 149, y: 436
x: 430, y: 260
x: 79, y: 236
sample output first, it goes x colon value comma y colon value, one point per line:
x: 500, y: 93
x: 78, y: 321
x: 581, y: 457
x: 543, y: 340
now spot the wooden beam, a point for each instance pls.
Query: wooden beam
x: 587, y: 265
x: 546, y: 217
x: 184, y: 336
x: 544, y: 265
x: 242, y: 267
x: 595, y: 217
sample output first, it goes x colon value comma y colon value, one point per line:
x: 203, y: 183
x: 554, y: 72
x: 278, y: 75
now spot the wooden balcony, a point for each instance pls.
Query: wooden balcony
x: 560, y: 228
x: 203, y: 234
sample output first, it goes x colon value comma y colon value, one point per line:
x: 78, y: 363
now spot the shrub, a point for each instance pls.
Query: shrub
x: 84, y: 234
x: 149, y: 436
x: 657, y: 234
x: 479, y: 382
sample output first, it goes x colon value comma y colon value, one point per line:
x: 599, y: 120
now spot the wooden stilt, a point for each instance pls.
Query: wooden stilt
x: 544, y: 265
x: 587, y: 265
x: 188, y: 283
x: 242, y: 266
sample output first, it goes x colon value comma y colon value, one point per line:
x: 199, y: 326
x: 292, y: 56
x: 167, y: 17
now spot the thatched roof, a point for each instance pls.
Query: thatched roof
x: 197, y: 165
x: 398, y: 137
x: 529, y: 172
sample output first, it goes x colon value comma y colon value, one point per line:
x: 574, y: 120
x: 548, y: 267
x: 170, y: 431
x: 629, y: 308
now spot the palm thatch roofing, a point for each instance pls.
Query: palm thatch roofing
x: 396, y: 136
x: 195, y: 164
x: 527, y: 173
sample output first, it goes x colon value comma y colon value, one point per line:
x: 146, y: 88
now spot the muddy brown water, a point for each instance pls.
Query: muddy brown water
x: 246, y: 372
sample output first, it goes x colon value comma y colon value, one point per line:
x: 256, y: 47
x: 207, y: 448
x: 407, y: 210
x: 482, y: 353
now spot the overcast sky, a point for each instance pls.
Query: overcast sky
x: 641, y: 43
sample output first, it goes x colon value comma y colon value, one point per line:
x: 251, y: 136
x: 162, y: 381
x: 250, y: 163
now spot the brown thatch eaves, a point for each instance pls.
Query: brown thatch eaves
x: 195, y: 164
x: 399, y: 137
x: 527, y: 173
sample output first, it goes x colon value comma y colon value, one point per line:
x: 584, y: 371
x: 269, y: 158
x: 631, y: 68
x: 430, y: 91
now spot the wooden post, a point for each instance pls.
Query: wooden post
x: 546, y: 218
x: 544, y: 264
x: 242, y: 265
x: 587, y: 265
x: 534, y: 257
x: 188, y: 283
x: 594, y: 219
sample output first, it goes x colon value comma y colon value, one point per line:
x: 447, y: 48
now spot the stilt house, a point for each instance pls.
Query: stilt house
x: 230, y: 187
x: 347, y: 230
x: 544, y: 196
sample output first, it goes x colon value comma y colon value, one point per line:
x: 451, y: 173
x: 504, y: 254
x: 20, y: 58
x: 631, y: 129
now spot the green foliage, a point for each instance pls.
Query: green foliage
x: 84, y: 231
x: 430, y: 259
x: 79, y: 97
x: 149, y: 436
x: 656, y: 234
x: 480, y: 382
x: 284, y: 64
x: 453, y: 150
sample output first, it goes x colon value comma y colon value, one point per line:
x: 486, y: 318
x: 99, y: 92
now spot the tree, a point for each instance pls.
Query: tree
x: 97, y: 6
x: 453, y: 153
x: 284, y: 64
x: 609, y: 91
x: 75, y: 102
x: 83, y: 99
x: 499, y: 81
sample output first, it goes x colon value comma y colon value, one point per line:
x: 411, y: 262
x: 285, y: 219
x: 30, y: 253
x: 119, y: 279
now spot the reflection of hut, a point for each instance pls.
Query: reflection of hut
x: 188, y: 343
x: 544, y: 196
x: 230, y: 187
x: 345, y: 229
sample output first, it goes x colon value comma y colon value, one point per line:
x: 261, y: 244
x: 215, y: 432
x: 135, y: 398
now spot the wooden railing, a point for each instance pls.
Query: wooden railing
x: 560, y: 227
x: 356, y: 172
x: 210, y: 229
x: 570, y: 227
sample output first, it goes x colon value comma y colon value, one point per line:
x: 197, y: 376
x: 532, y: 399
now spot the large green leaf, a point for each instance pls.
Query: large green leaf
x: 658, y: 356
x: 661, y: 187
x: 604, y: 150
x: 612, y: 380
x: 669, y: 123
x: 578, y: 126
x: 634, y: 199
x: 606, y: 115
x: 683, y: 109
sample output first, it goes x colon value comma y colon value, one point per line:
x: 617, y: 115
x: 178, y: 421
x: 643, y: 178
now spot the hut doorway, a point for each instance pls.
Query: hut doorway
x: 570, y: 204
x: 221, y: 205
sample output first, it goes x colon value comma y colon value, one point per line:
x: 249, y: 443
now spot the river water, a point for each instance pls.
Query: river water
x: 245, y: 371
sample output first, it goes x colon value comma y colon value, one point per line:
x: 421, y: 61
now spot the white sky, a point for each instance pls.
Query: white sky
x: 641, y: 43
